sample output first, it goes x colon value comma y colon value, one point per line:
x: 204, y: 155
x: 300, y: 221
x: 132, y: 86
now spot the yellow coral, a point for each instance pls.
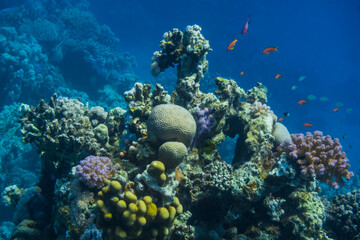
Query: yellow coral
x: 130, y: 197
x: 163, y: 214
x: 156, y: 168
x: 115, y: 186
x: 151, y: 211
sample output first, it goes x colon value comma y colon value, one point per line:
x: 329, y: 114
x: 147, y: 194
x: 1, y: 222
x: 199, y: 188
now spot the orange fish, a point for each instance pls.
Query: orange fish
x: 281, y: 119
x: 246, y: 26
x: 270, y: 50
x: 307, y: 125
x: 301, y: 102
x: 336, y: 109
x: 231, y: 45
x: 242, y: 73
x: 278, y: 76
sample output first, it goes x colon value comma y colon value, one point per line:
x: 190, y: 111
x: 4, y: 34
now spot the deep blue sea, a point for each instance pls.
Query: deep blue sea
x: 316, y: 39
x: 318, y: 59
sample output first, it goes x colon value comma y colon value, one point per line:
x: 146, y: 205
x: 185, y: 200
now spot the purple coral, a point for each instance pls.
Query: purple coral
x: 318, y: 156
x: 204, y: 123
x: 94, y: 170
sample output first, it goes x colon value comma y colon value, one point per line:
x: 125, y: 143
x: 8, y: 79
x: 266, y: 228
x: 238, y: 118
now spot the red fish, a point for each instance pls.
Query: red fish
x: 336, y: 109
x: 231, y: 45
x: 242, y: 73
x: 301, y: 102
x: 270, y: 50
x: 307, y: 125
x: 278, y: 76
x: 246, y: 26
x: 281, y: 119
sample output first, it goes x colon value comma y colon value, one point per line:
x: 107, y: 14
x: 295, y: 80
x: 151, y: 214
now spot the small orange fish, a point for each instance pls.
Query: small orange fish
x: 270, y: 50
x: 278, y: 76
x: 246, y: 26
x: 281, y: 119
x: 301, y: 102
x: 307, y: 125
x: 242, y: 73
x: 336, y: 109
x: 231, y: 45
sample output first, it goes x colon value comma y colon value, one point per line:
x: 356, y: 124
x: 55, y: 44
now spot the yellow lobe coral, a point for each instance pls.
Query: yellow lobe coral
x: 142, y: 207
x: 147, y: 200
x: 105, y: 190
x: 179, y: 209
x: 161, y: 179
x: 176, y: 201
x: 163, y: 214
x: 121, y: 206
x: 151, y: 211
x: 133, y: 208
x: 141, y: 221
x: 108, y: 216
x: 156, y: 168
x: 120, y: 233
x: 115, y: 200
x: 115, y: 186
x: 172, y: 213
x: 130, y: 197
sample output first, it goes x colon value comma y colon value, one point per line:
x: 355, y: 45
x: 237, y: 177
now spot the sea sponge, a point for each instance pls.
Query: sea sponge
x: 281, y: 133
x: 169, y: 122
x: 172, y: 154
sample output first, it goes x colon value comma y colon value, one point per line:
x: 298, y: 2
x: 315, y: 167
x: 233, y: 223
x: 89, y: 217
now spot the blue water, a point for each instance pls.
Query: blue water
x: 317, y: 40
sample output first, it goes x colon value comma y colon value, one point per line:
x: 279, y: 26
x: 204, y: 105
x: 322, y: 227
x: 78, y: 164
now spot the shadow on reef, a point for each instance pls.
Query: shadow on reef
x: 169, y: 181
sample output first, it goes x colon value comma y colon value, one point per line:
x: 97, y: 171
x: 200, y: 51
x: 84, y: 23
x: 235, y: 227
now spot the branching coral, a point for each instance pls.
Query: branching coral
x: 94, y: 170
x: 318, y: 156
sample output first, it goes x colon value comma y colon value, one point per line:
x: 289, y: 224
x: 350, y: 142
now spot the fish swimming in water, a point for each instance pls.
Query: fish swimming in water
x: 307, y: 125
x: 246, y: 26
x: 270, y: 50
x: 231, y: 45
x: 301, y: 102
x: 278, y: 76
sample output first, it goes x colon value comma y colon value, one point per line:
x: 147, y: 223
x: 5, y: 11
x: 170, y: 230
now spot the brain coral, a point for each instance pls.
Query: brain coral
x: 281, y: 133
x: 169, y: 122
x: 172, y: 154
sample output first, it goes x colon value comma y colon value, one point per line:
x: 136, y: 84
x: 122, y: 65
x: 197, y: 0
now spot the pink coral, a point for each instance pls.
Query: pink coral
x: 318, y: 156
x: 94, y: 170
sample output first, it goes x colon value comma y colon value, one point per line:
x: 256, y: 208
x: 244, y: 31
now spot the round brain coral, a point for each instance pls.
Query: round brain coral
x: 169, y: 122
x: 94, y: 170
x: 172, y: 154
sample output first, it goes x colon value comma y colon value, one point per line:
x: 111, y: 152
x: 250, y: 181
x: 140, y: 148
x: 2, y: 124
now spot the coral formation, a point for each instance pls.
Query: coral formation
x: 94, y: 171
x: 343, y: 216
x: 318, y: 156
x: 169, y: 122
x: 65, y: 130
x: 171, y: 155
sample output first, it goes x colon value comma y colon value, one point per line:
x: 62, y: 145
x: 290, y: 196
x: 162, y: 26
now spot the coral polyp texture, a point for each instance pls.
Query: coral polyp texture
x: 318, y: 156
x: 169, y: 122
x: 94, y: 170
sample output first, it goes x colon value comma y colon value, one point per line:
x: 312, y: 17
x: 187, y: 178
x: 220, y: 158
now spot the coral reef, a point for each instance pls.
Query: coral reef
x: 318, y: 156
x: 24, y: 68
x: 342, y: 218
x: 169, y: 181
x: 65, y: 131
